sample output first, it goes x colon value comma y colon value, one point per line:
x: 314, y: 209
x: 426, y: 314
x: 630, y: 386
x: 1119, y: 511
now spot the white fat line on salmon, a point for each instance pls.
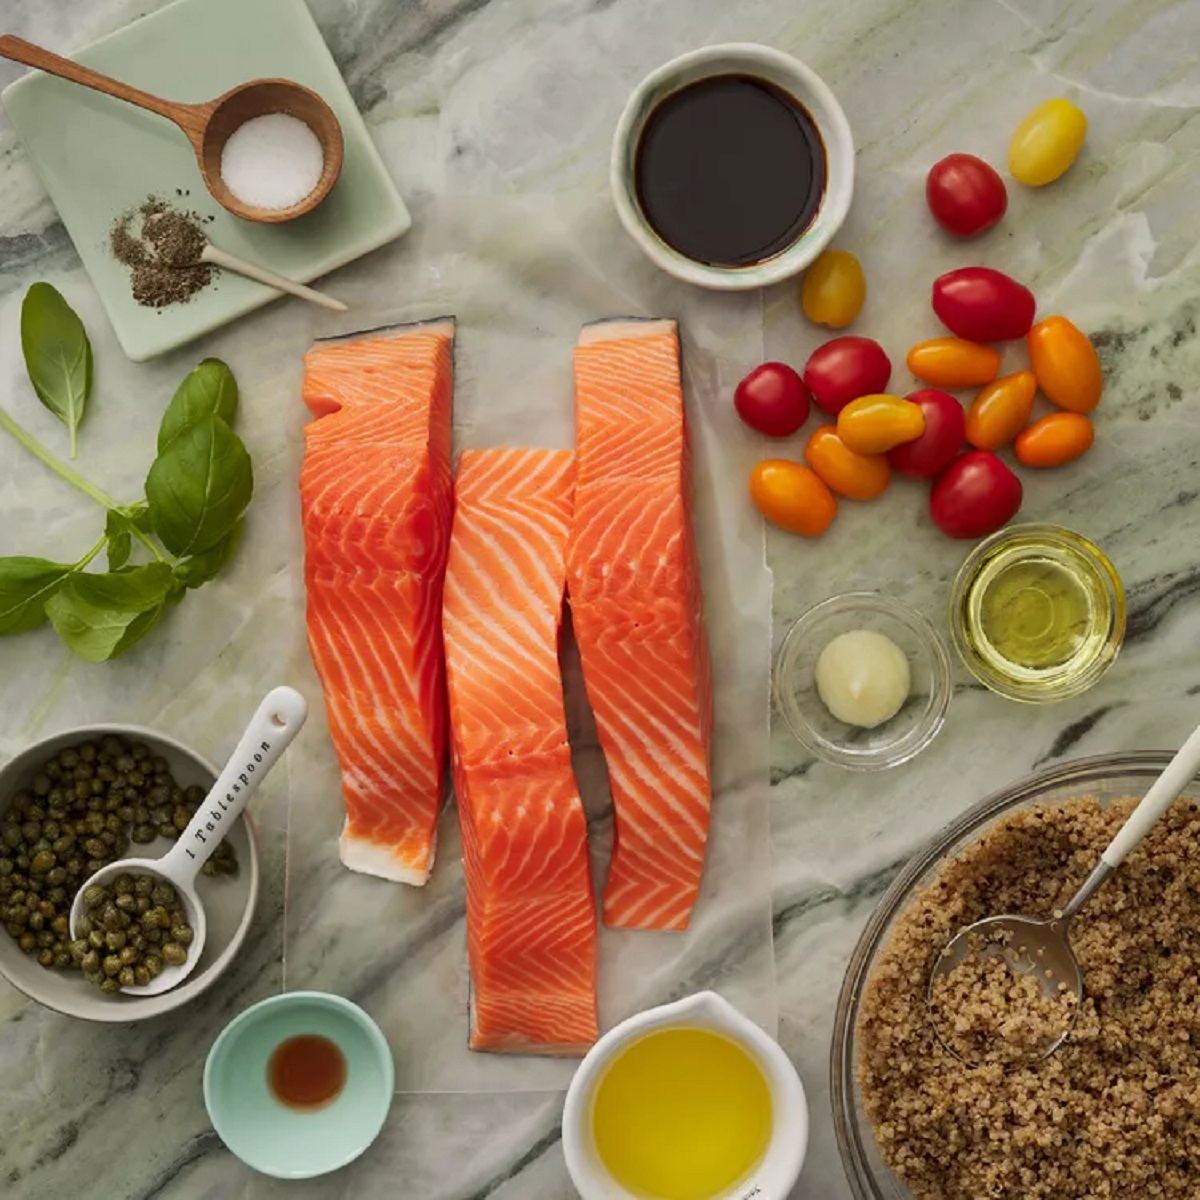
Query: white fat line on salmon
x: 432, y: 324
x: 220, y: 806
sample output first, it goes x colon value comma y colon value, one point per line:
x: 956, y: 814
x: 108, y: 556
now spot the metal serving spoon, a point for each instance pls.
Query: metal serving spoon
x: 1041, y: 948
x: 276, y: 721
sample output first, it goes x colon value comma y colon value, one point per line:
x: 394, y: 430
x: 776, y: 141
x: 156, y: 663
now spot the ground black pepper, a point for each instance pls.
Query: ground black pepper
x: 161, y: 246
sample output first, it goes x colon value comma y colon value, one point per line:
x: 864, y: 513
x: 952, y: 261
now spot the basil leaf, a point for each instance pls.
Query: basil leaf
x: 201, y: 568
x: 199, y: 487
x: 25, y: 586
x: 118, y: 528
x: 102, y: 616
x: 208, y: 390
x: 58, y: 355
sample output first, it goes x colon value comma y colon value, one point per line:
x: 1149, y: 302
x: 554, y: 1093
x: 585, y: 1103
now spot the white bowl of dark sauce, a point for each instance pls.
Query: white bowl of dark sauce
x: 732, y: 166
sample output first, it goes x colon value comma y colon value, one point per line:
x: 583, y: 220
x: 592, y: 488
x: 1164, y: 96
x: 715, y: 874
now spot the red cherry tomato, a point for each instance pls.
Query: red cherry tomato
x: 773, y: 400
x: 965, y: 194
x: 845, y: 368
x: 982, y: 305
x: 938, y: 446
x: 974, y: 496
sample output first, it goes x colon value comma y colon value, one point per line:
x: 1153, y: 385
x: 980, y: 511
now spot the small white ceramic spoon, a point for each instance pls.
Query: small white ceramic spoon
x: 230, y: 262
x: 277, y: 720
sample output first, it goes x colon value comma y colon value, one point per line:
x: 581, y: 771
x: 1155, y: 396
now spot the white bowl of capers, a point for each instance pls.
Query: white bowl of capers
x: 69, y: 805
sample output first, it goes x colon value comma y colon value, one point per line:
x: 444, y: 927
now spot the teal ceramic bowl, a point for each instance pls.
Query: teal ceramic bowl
x: 285, y: 1142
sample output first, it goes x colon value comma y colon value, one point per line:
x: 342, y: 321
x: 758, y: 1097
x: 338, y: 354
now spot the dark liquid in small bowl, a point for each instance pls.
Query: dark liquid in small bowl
x: 307, y: 1071
x: 730, y: 170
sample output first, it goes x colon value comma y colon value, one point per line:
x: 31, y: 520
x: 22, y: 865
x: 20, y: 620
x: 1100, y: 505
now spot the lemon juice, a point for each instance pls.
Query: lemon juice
x: 681, y: 1114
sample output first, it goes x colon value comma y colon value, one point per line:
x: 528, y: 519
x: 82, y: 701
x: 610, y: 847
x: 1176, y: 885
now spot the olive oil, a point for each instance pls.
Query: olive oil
x: 1039, y: 613
x: 682, y: 1114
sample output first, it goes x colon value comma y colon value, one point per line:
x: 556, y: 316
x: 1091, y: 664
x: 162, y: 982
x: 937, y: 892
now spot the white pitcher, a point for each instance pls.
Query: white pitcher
x: 773, y: 1177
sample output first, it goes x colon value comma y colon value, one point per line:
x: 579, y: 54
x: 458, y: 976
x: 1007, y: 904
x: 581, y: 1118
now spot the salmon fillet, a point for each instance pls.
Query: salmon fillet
x: 531, y: 912
x: 377, y: 503
x: 634, y: 584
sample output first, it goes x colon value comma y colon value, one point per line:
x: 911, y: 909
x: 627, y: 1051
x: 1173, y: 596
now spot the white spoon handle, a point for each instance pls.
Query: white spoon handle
x: 221, y: 258
x: 1162, y: 794
x: 277, y: 720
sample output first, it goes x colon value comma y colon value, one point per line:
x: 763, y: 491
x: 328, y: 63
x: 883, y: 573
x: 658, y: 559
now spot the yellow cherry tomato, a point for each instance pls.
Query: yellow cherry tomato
x: 1046, y: 142
x: 1001, y: 410
x: 1054, y: 440
x: 855, y: 476
x: 876, y: 424
x: 793, y: 497
x: 1066, y: 364
x: 834, y: 289
x: 949, y: 362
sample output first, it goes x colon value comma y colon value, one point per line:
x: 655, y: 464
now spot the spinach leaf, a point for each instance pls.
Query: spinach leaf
x: 58, y: 355
x: 208, y: 390
x: 202, y: 568
x: 199, y: 486
x: 102, y: 616
x: 25, y: 586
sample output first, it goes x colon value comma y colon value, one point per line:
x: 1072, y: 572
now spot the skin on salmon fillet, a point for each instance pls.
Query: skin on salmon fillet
x: 531, y: 911
x: 634, y: 584
x: 377, y: 502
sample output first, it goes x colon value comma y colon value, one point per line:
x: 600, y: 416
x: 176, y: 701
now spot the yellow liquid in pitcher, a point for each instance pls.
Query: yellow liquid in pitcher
x: 682, y: 1114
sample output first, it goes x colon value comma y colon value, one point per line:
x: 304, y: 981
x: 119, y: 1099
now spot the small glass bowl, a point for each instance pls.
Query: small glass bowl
x: 893, y: 742
x: 1061, y: 554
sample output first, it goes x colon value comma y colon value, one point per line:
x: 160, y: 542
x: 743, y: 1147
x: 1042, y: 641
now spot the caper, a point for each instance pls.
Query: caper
x: 115, y: 939
x: 41, y: 784
x: 153, y: 964
x: 125, y: 977
x: 46, y: 909
x: 51, y: 829
x: 174, y: 954
x: 129, y: 956
x: 154, y: 936
x: 28, y: 942
x: 143, y: 833
x: 57, y: 896
x: 96, y: 939
x: 141, y: 977
x: 95, y: 896
x: 143, y: 885
x: 56, y: 876
x: 12, y: 836
x: 46, y: 939
x: 45, y: 957
x: 110, y: 986
x: 63, y: 845
x: 210, y: 867
x: 83, y: 789
x: 143, y: 905
x: 61, y: 925
x: 95, y: 848
x: 94, y: 823
x: 69, y: 758
x: 127, y: 902
x: 167, y: 830
x: 18, y: 915
x: 164, y: 894
x: 125, y: 813
x: 183, y: 934
x: 31, y: 830
x: 112, y: 745
x: 42, y: 862
x: 110, y: 918
x: 7, y: 866
x: 63, y: 959
x: 105, y: 773
x: 110, y: 964
x: 180, y: 818
x: 109, y: 840
x: 36, y: 920
x: 90, y: 962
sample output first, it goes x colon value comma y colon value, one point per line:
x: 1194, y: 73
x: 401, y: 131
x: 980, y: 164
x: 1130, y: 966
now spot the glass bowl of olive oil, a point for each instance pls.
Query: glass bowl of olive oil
x: 1037, y: 613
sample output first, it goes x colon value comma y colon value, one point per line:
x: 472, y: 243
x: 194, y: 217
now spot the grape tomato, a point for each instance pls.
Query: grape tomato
x: 975, y: 496
x: 855, y: 476
x: 1055, y: 440
x: 1046, y: 142
x: 1001, y: 410
x: 953, y: 363
x: 834, y: 289
x: 874, y: 424
x: 845, y: 368
x: 1066, y: 364
x: 793, y: 497
x: 983, y: 305
x: 938, y: 446
x: 772, y: 400
x: 965, y: 194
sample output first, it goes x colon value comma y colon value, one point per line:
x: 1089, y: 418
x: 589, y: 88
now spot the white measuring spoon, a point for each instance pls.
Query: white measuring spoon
x: 277, y: 720
x: 1042, y: 948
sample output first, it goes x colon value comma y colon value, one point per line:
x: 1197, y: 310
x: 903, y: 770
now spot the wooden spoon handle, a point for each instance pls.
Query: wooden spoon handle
x: 191, y: 118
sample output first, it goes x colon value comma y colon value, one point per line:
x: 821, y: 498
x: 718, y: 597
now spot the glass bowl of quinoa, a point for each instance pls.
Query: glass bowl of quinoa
x: 1115, y: 1112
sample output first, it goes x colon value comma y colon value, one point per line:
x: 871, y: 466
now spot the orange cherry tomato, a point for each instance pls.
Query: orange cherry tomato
x: 793, y: 497
x: 1066, y: 364
x: 834, y: 289
x: 953, y: 362
x: 1054, y: 440
x: 1001, y: 410
x: 855, y: 476
x: 874, y: 424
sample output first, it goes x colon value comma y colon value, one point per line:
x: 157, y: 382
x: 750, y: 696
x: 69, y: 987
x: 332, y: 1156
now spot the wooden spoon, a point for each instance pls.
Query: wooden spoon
x: 208, y: 126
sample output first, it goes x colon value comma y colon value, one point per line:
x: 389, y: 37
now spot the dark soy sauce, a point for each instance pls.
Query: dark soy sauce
x: 729, y: 170
x: 306, y: 1072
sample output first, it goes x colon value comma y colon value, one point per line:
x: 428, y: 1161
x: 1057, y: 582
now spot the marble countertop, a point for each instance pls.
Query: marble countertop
x: 494, y: 117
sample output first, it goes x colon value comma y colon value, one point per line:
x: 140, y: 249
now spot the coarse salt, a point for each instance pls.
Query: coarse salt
x: 272, y: 161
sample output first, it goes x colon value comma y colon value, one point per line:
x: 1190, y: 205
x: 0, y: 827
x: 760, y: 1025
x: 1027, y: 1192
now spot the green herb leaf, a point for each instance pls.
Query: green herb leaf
x: 101, y: 616
x: 25, y: 586
x: 208, y: 390
x: 199, y: 486
x: 119, y: 527
x: 202, y: 568
x: 58, y: 355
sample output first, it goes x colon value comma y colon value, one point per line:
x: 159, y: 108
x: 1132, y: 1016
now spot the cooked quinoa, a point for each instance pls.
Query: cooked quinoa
x: 1115, y: 1112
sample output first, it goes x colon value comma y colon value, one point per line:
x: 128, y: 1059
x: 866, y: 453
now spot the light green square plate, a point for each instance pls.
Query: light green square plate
x: 99, y: 157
